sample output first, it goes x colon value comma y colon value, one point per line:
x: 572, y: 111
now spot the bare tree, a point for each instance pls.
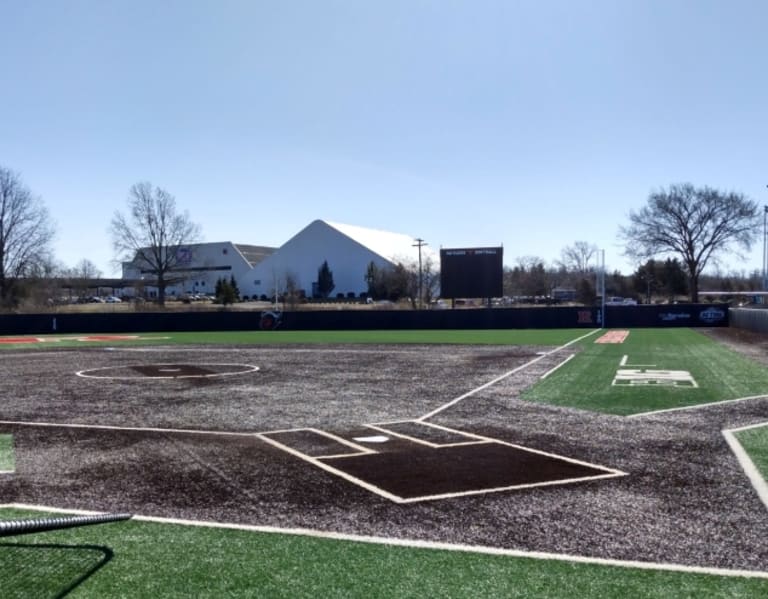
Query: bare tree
x: 85, y: 269
x: 578, y: 257
x: 26, y: 232
x: 153, y: 234
x: 529, y: 277
x: 696, y: 224
x: 81, y: 276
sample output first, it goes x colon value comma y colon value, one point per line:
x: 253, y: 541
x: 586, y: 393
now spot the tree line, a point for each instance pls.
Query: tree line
x: 676, y: 239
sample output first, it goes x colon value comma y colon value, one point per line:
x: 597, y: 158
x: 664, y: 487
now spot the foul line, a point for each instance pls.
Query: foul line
x: 133, y: 429
x: 420, y: 544
x: 560, y: 365
x: 503, y: 376
x: 700, y: 406
x: 746, y: 463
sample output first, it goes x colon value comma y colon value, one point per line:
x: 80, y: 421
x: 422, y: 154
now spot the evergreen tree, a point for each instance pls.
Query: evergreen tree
x: 325, y: 283
x: 235, y: 288
x: 225, y: 292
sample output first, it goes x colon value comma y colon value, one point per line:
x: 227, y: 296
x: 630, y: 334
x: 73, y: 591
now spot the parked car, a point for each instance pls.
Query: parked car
x: 113, y: 299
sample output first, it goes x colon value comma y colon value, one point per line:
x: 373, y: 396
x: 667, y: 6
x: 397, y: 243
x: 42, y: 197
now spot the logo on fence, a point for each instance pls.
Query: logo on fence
x: 670, y: 316
x: 711, y: 315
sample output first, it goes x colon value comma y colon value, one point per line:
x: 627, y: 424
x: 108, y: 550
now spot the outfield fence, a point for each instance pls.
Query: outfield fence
x: 752, y: 319
x: 560, y: 317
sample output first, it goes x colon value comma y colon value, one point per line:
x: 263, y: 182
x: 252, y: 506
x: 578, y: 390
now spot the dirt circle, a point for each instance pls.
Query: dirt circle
x: 167, y: 371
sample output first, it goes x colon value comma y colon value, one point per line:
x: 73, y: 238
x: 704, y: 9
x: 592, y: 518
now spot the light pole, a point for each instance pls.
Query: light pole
x: 419, y: 244
x: 765, y: 247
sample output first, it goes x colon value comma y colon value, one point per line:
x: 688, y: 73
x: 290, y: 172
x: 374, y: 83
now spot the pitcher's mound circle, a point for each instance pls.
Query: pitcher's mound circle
x: 167, y: 371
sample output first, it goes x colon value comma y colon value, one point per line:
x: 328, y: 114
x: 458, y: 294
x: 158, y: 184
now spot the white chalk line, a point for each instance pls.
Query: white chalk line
x: 558, y: 367
x: 328, y: 468
x: 133, y: 429
x: 503, y: 376
x: 419, y: 544
x: 700, y: 406
x: 86, y: 374
x: 753, y: 474
x: 265, y: 436
x: 360, y: 449
x: 624, y: 363
x: 420, y: 441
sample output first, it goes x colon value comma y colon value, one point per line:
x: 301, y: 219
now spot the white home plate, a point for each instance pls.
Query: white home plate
x: 372, y: 439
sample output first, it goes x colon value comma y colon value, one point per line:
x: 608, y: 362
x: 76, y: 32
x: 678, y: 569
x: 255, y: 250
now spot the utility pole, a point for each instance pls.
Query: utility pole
x: 765, y: 247
x: 419, y: 244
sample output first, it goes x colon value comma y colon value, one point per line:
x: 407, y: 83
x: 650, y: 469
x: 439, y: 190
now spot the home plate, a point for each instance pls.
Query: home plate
x: 372, y: 439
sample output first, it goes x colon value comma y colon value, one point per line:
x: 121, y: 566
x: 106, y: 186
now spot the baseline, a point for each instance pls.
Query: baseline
x: 419, y: 544
x: 504, y: 376
x: 746, y: 463
x: 699, y: 406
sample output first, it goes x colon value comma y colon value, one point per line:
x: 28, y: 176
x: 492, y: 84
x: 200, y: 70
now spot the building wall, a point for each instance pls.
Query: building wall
x: 302, y: 256
x: 202, y: 265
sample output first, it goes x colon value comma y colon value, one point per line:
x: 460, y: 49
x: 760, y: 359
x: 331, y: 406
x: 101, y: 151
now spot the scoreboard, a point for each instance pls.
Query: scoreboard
x: 471, y: 272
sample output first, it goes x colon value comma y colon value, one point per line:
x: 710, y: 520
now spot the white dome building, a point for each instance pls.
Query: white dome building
x: 347, y: 249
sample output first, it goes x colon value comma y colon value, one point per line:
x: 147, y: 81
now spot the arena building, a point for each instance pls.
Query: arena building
x: 198, y: 267
x: 265, y: 272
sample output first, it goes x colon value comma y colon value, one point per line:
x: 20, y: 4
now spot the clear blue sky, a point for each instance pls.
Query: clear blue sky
x: 531, y: 124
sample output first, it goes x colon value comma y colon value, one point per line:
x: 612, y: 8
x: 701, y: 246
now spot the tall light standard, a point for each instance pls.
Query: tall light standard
x: 765, y: 247
x: 419, y: 244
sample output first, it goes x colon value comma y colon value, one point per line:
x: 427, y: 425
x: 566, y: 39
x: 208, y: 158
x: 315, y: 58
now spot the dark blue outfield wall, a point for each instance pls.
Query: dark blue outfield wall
x: 677, y: 315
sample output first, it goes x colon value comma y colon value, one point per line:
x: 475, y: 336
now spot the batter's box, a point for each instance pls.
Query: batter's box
x: 431, y: 435
x: 411, y: 471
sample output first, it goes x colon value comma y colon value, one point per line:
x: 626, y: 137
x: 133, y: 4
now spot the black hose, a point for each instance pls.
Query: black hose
x: 9, y: 528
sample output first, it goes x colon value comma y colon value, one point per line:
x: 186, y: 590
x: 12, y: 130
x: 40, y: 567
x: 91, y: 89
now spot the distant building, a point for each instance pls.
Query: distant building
x: 348, y: 249
x: 563, y: 294
x: 200, y: 265
x: 264, y: 271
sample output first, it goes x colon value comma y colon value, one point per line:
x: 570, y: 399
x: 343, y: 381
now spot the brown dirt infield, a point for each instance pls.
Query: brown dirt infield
x: 116, y: 445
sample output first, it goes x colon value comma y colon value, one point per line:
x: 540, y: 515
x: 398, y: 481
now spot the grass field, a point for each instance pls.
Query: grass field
x: 152, y: 559
x: 471, y: 337
x: 6, y: 453
x: 585, y: 382
x: 755, y: 443
x: 143, y: 559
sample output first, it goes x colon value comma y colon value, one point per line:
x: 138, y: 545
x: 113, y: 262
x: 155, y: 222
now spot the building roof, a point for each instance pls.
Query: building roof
x: 392, y: 246
x: 254, y: 253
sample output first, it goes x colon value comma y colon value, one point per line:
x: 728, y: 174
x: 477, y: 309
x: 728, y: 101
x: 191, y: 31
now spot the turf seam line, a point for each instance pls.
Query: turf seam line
x: 421, y: 544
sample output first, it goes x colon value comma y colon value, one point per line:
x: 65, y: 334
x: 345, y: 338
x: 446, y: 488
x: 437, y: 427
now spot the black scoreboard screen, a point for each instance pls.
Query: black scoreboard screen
x: 471, y: 272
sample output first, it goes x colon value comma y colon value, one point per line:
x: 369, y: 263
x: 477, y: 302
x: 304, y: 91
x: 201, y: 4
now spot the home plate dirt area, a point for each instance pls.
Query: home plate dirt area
x: 408, y: 442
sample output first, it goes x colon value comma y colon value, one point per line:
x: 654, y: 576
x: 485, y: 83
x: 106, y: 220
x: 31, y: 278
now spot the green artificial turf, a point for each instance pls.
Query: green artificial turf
x: 755, y: 443
x: 142, y: 559
x: 585, y: 381
x: 474, y: 336
x: 7, y: 462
